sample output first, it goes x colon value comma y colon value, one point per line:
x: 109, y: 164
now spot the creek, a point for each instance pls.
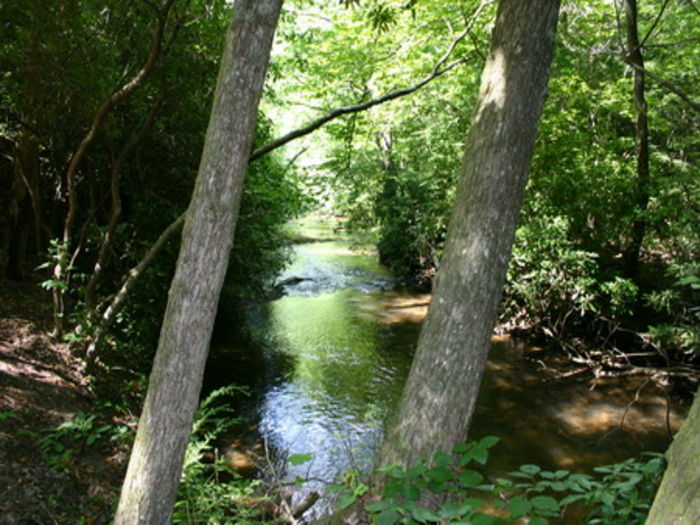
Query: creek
x: 325, y: 364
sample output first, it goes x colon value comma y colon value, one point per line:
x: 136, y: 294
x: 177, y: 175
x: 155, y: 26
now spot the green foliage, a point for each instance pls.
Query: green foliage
x: 57, y: 254
x: 681, y: 304
x: 213, y: 493
x: 63, y: 442
x: 392, y: 169
x: 449, y: 490
x: 554, y: 286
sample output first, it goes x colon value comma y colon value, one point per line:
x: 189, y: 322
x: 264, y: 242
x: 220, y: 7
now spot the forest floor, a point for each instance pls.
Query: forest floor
x: 48, y: 476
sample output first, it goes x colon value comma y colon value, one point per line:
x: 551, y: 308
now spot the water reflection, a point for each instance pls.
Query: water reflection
x: 325, y: 366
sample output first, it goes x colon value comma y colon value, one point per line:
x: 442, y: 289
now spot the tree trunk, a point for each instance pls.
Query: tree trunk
x: 636, y: 60
x: 115, y: 305
x: 155, y: 466
x: 677, y: 501
x: 61, y: 268
x: 441, y: 391
x: 116, y: 208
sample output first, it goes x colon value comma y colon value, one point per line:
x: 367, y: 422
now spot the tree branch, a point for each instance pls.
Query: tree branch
x: 313, y: 126
x: 436, y: 71
x: 60, y: 271
x: 673, y: 89
x: 134, y: 274
x: 656, y: 21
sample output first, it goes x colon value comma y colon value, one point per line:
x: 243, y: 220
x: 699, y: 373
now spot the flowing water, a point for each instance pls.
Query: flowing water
x: 325, y: 365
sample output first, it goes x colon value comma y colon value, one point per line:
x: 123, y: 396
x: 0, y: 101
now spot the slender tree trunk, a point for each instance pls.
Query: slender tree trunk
x: 155, y: 466
x: 636, y: 60
x: 441, y: 391
x: 119, y: 298
x: 60, y: 270
x: 677, y: 501
x: 116, y: 209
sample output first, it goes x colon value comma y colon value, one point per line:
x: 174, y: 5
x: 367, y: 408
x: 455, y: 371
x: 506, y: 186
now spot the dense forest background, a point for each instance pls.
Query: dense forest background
x: 578, y: 265
x: 104, y: 108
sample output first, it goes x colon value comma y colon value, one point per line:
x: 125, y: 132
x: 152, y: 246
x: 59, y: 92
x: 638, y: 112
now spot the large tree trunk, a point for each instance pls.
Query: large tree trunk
x: 677, y: 501
x: 444, y: 381
x: 154, y: 469
x: 636, y: 60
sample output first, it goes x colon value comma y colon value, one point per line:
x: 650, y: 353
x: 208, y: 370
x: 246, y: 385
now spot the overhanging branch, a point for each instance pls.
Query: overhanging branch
x: 437, y: 71
x: 313, y: 126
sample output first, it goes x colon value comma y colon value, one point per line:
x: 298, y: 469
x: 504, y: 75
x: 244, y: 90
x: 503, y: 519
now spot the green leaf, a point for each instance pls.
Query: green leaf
x: 416, y: 471
x: 299, y: 459
x: 545, y: 504
x: 462, y: 447
x: 530, y: 469
x: 454, y: 509
x: 388, y: 517
x: 379, y: 506
x: 489, y: 441
x: 607, y: 498
x: 393, y: 471
x: 559, y: 486
x: 440, y: 474
x: 470, y: 478
x: 519, y: 507
x: 422, y: 515
x: 442, y: 459
x: 410, y: 492
x: 345, y: 500
x: 571, y: 499
x: 481, y: 455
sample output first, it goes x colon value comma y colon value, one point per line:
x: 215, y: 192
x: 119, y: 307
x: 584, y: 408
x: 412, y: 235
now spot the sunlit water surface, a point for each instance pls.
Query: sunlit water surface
x: 325, y: 366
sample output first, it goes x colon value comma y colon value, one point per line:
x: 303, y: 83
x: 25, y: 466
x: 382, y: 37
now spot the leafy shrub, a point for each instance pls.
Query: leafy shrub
x: 681, y: 303
x: 553, y: 285
x: 212, y: 493
x: 61, y: 443
x: 449, y: 490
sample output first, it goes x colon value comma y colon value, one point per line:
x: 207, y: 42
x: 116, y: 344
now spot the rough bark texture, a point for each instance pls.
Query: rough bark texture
x: 444, y: 381
x: 173, y: 392
x: 636, y: 60
x: 677, y: 501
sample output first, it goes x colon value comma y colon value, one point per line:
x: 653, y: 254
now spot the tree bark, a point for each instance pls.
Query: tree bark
x: 443, y: 384
x: 636, y: 61
x: 677, y: 501
x: 155, y: 466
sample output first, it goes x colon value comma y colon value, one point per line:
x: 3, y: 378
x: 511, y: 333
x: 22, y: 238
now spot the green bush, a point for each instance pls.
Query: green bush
x: 450, y: 490
x: 556, y: 287
x: 680, y: 304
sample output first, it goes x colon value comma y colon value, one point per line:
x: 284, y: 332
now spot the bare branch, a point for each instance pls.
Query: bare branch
x: 656, y: 21
x: 115, y: 213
